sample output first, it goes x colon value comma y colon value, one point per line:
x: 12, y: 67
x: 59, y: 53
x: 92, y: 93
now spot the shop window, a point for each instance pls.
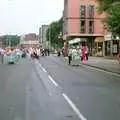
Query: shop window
x: 82, y: 11
x: 83, y: 26
x: 91, y: 11
x: 91, y: 27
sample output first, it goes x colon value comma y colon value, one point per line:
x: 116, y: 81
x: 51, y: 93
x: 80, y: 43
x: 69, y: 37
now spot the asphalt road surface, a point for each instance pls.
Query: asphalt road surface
x: 48, y: 89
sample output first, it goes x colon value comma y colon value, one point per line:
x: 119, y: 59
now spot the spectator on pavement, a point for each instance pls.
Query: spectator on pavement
x: 86, y: 52
x: 69, y: 56
x: 83, y: 53
x: 80, y: 53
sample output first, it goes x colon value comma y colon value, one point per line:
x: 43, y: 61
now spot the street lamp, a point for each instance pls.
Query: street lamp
x: 49, y: 38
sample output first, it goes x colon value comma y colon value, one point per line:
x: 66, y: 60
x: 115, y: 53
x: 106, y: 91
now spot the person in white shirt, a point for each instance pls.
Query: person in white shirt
x: 69, y: 56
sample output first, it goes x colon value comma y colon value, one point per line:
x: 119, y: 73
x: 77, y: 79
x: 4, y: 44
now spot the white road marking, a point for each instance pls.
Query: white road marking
x: 111, y: 73
x: 40, y: 65
x: 44, y: 70
x: 52, y: 80
x: 75, y: 109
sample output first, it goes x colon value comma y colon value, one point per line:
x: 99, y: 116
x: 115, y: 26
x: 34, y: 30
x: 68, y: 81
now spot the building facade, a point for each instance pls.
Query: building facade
x: 42, y: 36
x: 83, y: 24
x: 112, y: 44
x: 29, y: 40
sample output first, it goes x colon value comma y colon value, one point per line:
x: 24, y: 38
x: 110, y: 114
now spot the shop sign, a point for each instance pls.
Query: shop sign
x: 108, y: 37
x: 99, y: 39
x: 76, y: 40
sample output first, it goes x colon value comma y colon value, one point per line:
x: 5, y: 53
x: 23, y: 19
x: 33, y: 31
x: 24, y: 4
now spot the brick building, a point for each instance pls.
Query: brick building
x: 83, y: 24
x: 29, y: 40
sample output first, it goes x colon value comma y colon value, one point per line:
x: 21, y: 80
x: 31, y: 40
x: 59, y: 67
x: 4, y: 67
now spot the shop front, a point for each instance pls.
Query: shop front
x: 99, y: 46
x: 112, y: 46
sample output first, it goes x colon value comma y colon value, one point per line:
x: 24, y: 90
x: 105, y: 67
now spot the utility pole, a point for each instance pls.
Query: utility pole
x: 49, y: 38
x: 9, y: 42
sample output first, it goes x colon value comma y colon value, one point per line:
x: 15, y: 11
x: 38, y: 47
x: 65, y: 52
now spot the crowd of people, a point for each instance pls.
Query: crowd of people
x: 37, y: 52
x: 32, y: 52
x: 80, y: 53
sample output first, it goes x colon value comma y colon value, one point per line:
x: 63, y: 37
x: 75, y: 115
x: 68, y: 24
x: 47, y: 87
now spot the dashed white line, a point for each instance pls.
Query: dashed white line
x: 75, y: 109
x: 44, y: 70
x: 40, y: 65
x: 52, y: 80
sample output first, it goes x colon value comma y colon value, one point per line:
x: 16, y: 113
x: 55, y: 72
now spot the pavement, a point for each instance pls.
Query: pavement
x: 110, y: 65
x: 49, y: 89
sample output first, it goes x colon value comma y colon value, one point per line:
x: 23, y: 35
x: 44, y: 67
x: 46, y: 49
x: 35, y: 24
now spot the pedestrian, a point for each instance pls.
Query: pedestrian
x: 86, y: 52
x: 43, y: 52
x: 80, y: 53
x: 59, y: 53
x: 38, y: 53
x: 48, y: 52
x: 83, y: 54
x: 69, y: 56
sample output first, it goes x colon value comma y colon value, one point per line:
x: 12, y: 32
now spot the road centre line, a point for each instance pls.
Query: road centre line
x: 44, y: 70
x: 40, y: 65
x: 52, y: 80
x: 73, y: 106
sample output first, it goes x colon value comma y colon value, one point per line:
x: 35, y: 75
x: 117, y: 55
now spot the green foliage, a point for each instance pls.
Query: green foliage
x: 53, y: 33
x: 106, y: 4
x: 11, y: 40
x: 112, y: 20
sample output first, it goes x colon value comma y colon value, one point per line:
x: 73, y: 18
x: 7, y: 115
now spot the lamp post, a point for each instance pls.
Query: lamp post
x: 9, y: 42
x: 49, y: 38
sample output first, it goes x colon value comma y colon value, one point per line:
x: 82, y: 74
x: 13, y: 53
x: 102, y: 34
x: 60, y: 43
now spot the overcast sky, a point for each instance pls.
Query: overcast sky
x: 24, y: 16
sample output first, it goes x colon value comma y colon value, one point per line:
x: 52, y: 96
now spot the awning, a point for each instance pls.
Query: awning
x: 99, y: 39
x: 77, y: 40
x: 74, y: 41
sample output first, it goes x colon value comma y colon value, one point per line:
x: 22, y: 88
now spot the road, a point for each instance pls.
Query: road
x: 48, y: 89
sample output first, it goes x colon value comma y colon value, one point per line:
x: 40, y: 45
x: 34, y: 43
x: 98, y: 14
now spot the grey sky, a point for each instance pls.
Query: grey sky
x: 24, y: 16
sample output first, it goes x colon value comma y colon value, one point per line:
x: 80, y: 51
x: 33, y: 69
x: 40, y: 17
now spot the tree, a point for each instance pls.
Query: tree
x: 11, y: 40
x: 53, y: 33
x: 112, y: 20
x: 104, y: 5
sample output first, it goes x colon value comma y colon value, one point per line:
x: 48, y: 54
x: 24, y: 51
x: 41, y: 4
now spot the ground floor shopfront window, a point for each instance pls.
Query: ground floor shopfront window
x: 111, y: 47
x: 116, y: 47
x: 99, y: 49
x: 99, y: 46
x: 107, y: 48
